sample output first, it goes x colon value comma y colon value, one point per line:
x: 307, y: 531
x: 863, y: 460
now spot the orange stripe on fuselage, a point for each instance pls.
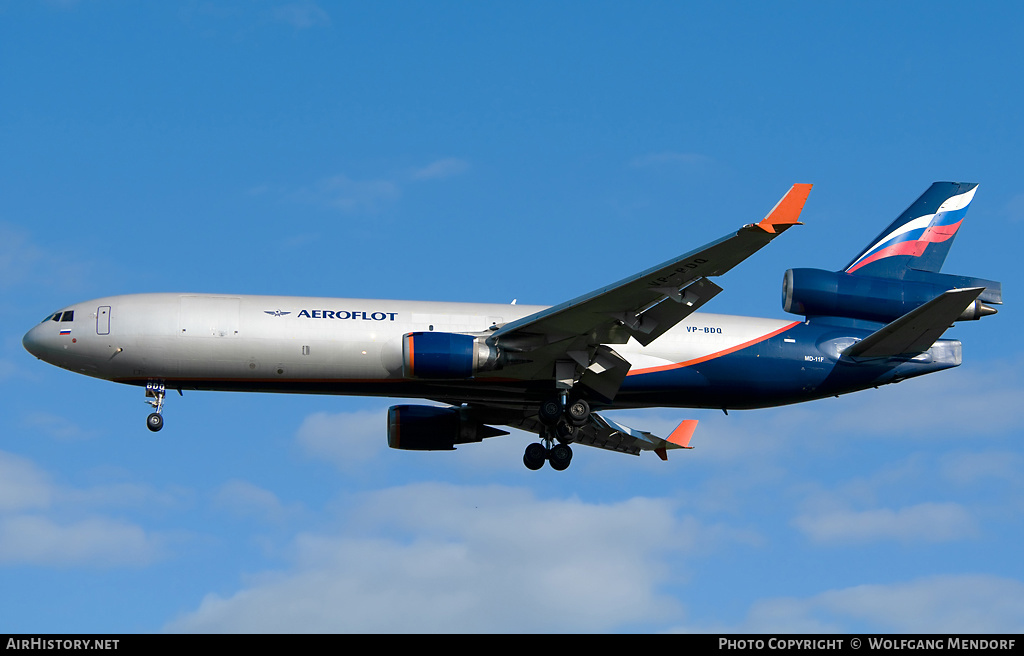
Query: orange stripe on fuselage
x: 714, y: 355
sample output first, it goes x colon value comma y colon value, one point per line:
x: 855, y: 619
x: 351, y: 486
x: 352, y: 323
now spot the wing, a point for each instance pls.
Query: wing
x: 570, y: 341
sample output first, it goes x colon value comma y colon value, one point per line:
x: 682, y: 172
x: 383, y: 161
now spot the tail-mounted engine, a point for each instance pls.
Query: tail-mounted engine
x: 815, y: 292
x: 429, y: 428
x: 447, y: 355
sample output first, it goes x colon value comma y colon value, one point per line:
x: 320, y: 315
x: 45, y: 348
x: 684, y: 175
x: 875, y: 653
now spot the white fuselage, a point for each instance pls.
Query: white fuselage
x: 225, y: 339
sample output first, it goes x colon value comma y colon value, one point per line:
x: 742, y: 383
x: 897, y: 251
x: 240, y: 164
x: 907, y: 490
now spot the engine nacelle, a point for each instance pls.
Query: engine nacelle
x: 429, y: 428
x: 447, y: 355
x: 815, y: 292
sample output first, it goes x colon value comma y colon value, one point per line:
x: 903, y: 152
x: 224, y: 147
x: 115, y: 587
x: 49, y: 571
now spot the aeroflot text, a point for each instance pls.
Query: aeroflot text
x: 345, y: 314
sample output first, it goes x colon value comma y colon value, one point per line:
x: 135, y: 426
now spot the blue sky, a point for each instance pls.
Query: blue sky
x: 485, y: 152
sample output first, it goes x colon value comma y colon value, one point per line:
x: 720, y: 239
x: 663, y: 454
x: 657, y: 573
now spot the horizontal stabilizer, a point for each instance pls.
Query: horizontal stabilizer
x: 917, y: 330
x: 682, y: 434
x: 605, y: 433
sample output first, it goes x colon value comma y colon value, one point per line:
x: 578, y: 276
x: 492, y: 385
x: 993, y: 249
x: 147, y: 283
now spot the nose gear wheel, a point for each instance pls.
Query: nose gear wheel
x: 155, y: 393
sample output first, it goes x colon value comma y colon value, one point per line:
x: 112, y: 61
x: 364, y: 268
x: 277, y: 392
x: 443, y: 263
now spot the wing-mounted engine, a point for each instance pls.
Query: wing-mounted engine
x: 819, y: 293
x: 447, y: 355
x: 429, y: 428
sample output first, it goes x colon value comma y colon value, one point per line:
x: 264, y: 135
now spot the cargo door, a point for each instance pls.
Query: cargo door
x: 103, y: 320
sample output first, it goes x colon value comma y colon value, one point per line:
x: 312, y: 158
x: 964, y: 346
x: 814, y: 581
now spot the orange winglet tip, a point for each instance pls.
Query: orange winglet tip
x: 787, y: 211
x: 682, y: 434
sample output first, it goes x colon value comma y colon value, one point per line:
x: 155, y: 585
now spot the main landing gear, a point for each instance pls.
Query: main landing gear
x: 561, y: 421
x: 559, y: 455
x: 155, y: 393
x: 555, y: 413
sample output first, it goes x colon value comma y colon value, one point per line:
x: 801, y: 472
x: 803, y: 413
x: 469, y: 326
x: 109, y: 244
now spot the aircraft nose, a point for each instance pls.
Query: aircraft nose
x: 33, y: 342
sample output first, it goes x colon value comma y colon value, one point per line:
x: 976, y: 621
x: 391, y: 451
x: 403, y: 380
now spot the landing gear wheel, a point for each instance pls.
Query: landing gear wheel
x: 154, y: 422
x: 578, y: 412
x: 560, y: 457
x: 155, y: 393
x: 550, y: 412
x: 535, y: 456
x: 565, y: 432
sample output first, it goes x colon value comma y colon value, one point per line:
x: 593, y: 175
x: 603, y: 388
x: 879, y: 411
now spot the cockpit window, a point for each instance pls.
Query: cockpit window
x: 61, y: 316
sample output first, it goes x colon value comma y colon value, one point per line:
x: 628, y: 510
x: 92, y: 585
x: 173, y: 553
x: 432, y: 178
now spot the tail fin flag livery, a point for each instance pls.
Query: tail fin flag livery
x: 641, y: 342
x: 921, y: 236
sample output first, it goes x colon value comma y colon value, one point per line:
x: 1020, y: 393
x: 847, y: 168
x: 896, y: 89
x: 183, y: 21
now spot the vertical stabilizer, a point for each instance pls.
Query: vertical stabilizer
x: 920, y: 237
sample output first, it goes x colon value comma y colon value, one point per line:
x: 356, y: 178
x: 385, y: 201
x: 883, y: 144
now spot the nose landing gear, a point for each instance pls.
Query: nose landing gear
x: 155, y: 393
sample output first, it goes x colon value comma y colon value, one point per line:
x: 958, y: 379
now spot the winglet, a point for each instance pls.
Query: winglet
x: 786, y: 211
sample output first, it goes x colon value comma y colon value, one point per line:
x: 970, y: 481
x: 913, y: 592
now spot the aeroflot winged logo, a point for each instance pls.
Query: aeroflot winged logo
x: 276, y: 313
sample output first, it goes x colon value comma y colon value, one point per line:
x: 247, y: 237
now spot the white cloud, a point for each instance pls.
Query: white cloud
x: 30, y: 535
x: 22, y: 261
x: 346, y: 439
x: 302, y: 15
x: 18, y: 256
x: 444, y: 558
x: 351, y: 196
x: 121, y: 495
x: 247, y: 500
x: 926, y: 522
x: 946, y: 604
x: 57, y: 427
x: 364, y: 196
x: 967, y: 468
x: 7, y: 369
x: 896, y: 410
x: 442, y: 168
x: 30, y: 539
x: 23, y: 486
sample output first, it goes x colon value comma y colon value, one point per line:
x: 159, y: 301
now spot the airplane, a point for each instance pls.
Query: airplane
x: 551, y: 371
